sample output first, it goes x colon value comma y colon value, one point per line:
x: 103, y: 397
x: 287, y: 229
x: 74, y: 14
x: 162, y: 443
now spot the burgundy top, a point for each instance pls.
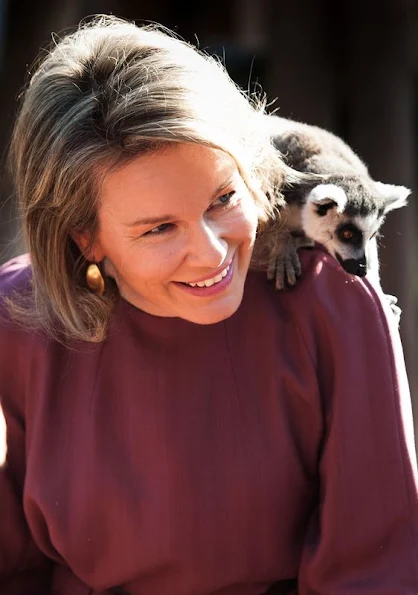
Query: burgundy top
x: 179, y: 459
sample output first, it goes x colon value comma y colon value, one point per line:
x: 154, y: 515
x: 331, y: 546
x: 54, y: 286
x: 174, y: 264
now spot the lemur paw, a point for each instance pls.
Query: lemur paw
x: 393, y: 301
x: 284, y: 268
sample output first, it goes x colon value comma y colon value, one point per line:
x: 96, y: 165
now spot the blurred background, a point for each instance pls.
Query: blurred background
x: 351, y: 67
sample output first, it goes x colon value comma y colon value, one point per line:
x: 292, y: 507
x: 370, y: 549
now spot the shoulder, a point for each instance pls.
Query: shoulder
x: 17, y: 335
x: 25, y: 351
x: 15, y: 341
x: 15, y: 276
x: 325, y: 287
x: 325, y: 291
x: 15, y: 289
x: 338, y: 313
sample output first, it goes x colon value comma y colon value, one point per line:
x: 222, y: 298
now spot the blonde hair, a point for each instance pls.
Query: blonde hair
x: 101, y: 96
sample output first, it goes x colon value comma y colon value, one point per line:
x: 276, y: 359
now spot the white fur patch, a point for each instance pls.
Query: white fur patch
x: 324, y: 193
x: 320, y: 229
x: 395, y: 196
x: 368, y: 225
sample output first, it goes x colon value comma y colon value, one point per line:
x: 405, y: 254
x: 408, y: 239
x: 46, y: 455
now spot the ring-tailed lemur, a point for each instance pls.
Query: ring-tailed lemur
x: 343, y: 209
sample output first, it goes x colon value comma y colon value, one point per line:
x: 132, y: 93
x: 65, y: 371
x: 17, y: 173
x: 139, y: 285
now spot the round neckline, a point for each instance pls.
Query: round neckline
x: 174, y: 327
x: 165, y: 328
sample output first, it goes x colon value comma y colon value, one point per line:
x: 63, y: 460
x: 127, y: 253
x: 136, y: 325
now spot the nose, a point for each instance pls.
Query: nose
x: 207, y: 247
x: 355, y: 266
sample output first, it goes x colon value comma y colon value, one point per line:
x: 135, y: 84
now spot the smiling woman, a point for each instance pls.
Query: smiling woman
x: 105, y: 105
x: 173, y: 424
x: 191, y: 263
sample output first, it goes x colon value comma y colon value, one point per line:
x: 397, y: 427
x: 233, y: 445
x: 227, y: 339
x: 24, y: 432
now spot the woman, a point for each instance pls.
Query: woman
x: 175, y: 426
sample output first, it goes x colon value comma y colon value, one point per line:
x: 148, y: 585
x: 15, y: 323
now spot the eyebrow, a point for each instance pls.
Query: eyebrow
x: 168, y: 217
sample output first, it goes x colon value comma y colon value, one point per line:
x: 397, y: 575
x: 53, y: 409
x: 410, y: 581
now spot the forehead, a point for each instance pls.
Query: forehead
x: 175, y: 162
x: 367, y: 223
x: 175, y: 173
x: 363, y: 198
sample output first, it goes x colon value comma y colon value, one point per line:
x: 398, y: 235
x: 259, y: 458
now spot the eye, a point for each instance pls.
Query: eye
x: 350, y: 234
x: 160, y: 229
x: 323, y: 209
x: 223, y: 200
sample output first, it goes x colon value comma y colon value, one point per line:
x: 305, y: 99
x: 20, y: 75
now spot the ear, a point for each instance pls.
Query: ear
x: 91, y: 250
x: 394, y: 196
x: 324, y: 194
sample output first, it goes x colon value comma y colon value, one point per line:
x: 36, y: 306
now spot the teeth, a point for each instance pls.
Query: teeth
x: 209, y: 282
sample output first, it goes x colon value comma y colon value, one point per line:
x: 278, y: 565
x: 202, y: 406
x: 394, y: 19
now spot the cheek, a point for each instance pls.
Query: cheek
x: 140, y: 264
x: 243, y: 220
x: 156, y: 264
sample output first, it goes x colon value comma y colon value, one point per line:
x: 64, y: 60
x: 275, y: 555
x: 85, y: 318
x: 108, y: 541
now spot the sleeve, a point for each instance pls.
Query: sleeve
x: 363, y: 536
x: 23, y: 569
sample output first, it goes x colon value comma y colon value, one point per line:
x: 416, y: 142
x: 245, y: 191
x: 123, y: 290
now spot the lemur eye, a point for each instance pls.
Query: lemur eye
x: 323, y: 209
x: 350, y: 234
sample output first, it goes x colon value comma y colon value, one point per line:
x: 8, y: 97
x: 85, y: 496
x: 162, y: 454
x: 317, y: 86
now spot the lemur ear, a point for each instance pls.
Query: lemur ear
x: 394, y: 196
x: 328, y: 194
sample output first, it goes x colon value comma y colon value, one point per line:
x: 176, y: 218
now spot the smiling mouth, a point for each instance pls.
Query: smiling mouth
x: 210, y: 282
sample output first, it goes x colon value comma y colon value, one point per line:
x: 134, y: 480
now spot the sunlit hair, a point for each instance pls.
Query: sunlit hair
x: 100, y: 97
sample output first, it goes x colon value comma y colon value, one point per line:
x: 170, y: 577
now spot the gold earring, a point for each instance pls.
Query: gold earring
x: 95, y: 279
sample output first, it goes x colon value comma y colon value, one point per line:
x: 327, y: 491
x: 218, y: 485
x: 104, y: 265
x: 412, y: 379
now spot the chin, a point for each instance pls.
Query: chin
x: 212, y: 315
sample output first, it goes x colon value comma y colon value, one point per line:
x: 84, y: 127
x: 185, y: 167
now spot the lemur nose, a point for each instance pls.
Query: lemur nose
x: 355, y: 266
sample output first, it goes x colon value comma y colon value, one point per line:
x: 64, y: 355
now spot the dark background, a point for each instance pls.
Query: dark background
x: 349, y: 66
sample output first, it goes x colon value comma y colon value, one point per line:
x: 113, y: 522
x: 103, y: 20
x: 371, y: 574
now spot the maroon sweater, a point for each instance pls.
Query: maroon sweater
x: 178, y: 459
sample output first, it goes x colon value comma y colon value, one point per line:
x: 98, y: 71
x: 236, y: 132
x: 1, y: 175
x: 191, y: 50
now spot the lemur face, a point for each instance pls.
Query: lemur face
x: 344, y: 227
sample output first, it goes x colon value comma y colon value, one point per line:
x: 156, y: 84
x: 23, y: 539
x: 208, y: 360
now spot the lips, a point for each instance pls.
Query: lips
x: 215, y: 274
x: 211, y: 285
x: 211, y: 281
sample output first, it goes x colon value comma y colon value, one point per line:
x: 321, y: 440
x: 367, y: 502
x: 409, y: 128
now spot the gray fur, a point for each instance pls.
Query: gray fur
x: 356, y: 207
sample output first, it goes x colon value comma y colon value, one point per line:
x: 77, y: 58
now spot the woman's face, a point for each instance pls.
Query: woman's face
x: 176, y: 230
